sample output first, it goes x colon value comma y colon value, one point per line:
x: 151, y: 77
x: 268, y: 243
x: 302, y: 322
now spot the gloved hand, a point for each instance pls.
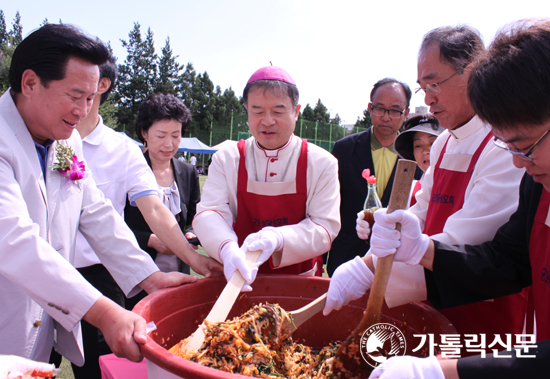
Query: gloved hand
x: 268, y: 240
x: 362, y: 226
x: 350, y: 281
x: 409, y: 246
x: 12, y: 367
x: 409, y: 367
x: 233, y: 258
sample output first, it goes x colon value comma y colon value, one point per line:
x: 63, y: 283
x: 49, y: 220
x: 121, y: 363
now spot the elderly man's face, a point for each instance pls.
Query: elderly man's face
x: 451, y: 106
x: 390, y: 96
x: 271, y: 117
x: 55, y: 110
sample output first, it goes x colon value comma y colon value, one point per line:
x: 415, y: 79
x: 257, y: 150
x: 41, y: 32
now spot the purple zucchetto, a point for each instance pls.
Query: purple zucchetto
x: 271, y: 73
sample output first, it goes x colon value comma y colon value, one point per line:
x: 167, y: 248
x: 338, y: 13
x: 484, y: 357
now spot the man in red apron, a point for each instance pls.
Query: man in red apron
x: 273, y: 192
x: 470, y: 190
x: 519, y: 254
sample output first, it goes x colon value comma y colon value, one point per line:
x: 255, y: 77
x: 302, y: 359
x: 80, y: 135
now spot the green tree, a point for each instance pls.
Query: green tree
x: 16, y: 32
x: 9, y: 41
x: 3, y: 31
x: 365, y: 122
x: 227, y: 104
x: 137, y: 77
x: 307, y: 113
x: 203, y: 106
x: 336, y: 120
x: 169, y: 70
x: 186, y: 83
x: 228, y: 120
x: 108, y: 112
x: 320, y: 113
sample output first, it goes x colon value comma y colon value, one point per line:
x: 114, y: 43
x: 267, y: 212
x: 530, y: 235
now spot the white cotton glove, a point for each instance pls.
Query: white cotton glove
x: 350, y: 281
x: 409, y: 367
x: 362, y: 226
x: 268, y: 240
x: 12, y: 367
x: 409, y: 246
x: 233, y: 258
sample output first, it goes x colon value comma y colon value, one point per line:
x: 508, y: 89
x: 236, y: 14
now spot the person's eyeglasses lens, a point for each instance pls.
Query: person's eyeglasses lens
x: 392, y: 112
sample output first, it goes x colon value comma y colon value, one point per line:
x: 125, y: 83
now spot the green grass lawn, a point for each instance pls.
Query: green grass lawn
x: 202, y: 179
x: 66, y: 370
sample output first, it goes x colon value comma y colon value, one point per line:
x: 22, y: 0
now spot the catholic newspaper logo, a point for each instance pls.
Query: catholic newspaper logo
x: 381, y: 342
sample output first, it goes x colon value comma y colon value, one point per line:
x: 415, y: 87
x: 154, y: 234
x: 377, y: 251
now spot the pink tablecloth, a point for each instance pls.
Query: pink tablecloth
x: 113, y: 367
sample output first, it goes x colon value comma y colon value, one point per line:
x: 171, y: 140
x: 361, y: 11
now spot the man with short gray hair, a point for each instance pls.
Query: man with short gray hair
x: 470, y: 189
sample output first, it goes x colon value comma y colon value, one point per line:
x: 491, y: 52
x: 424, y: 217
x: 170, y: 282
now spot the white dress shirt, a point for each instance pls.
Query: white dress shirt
x: 119, y: 170
x: 491, y: 197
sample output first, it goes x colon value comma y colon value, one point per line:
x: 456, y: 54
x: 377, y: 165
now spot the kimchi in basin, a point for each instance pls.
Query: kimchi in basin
x: 177, y: 312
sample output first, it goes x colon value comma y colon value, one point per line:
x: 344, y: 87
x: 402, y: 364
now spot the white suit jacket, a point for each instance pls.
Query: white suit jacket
x: 39, y: 218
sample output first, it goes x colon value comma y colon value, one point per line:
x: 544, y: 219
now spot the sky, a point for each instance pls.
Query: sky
x: 335, y: 50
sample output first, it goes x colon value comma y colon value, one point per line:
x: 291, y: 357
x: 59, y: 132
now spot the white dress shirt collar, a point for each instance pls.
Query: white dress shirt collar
x: 468, y: 128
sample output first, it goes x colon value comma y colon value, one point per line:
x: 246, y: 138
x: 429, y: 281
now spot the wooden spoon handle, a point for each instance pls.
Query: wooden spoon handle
x: 223, y: 305
x: 229, y: 295
x: 303, y: 314
x: 404, y: 176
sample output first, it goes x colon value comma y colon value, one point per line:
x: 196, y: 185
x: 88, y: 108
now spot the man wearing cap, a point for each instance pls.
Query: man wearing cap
x: 273, y: 192
x: 372, y: 149
x: 469, y: 191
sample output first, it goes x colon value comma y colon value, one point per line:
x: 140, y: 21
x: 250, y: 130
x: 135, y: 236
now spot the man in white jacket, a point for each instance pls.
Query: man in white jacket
x: 47, y: 195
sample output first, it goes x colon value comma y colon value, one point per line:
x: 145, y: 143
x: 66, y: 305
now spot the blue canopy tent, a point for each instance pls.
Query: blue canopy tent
x: 193, y: 145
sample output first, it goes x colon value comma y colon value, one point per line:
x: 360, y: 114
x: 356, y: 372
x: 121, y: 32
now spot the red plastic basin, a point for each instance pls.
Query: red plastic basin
x: 177, y: 313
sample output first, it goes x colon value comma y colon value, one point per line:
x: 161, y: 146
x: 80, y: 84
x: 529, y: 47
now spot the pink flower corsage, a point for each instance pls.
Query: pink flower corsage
x: 67, y: 163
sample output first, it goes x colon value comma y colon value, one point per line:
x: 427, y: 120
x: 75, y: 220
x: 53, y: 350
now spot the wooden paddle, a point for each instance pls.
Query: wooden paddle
x: 223, y: 305
x: 348, y: 362
x: 299, y: 316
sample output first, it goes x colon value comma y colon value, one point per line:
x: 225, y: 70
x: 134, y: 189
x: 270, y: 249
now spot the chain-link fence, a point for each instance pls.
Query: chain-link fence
x: 321, y: 134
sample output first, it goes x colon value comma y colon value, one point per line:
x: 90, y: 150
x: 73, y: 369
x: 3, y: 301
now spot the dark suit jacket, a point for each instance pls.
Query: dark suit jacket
x: 187, y: 180
x: 354, y: 155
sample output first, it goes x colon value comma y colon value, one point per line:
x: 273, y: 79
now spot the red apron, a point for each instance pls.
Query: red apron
x: 416, y: 188
x: 539, y: 254
x: 255, y: 210
x: 499, y: 316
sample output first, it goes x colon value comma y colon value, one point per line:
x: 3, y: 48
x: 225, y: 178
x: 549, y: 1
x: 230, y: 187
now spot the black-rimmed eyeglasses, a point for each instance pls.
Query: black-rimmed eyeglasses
x: 393, y: 113
x: 433, y: 88
x: 526, y: 156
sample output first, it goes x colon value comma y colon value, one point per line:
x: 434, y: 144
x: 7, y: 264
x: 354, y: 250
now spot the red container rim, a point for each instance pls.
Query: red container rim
x: 176, y: 365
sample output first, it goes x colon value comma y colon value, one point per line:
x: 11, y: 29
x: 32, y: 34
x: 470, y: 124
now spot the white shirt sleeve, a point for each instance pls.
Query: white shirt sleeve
x: 491, y: 197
